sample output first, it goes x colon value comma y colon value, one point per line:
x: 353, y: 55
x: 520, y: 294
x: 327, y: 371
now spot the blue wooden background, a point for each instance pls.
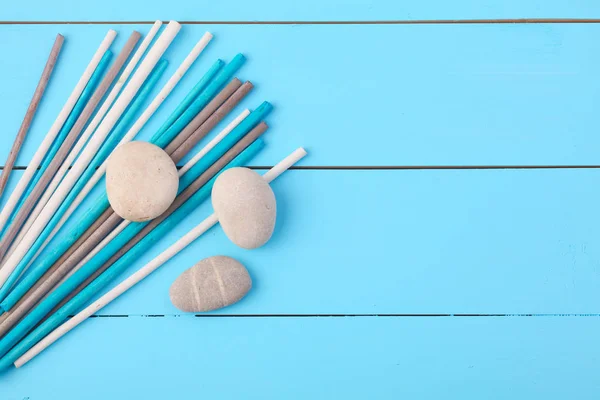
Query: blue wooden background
x: 440, y: 241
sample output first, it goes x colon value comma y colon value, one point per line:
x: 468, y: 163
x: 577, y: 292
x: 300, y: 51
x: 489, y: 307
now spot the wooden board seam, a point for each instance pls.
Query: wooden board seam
x: 364, y: 22
x: 387, y: 315
x: 400, y: 167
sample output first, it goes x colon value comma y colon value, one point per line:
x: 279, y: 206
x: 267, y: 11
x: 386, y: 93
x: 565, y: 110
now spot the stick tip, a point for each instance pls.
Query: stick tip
x: 298, y: 154
x: 174, y: 25
x: 239, y: 58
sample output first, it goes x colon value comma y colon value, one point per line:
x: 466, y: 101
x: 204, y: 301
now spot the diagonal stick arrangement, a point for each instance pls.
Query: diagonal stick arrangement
x: 91, y: 177
x: 30, y: 202
x: 60, y: 269
x: 81, y: 142
x: 101, y: 245
x: 56, y: 126
x: 147, y: 269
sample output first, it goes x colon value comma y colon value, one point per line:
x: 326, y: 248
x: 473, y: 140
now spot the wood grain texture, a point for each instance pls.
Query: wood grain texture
x: 318, y: 358
x: 349, y: 242
x: 441, y: 95
x: 407, y: 242
x: 308, y: 10
x: 456, y: 242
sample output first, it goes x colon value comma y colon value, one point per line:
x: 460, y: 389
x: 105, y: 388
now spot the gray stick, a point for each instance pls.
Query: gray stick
x: 64, y: 149
x: 31, y: 110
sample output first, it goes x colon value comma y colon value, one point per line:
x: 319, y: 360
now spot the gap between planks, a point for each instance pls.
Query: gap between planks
x: 374, y: 22
x: 334, y: 315
x: 400, y: 167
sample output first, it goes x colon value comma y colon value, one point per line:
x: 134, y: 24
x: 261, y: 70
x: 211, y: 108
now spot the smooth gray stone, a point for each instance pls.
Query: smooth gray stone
x: 213, y: 283
x: 141, y: 181
x: 246, y: 207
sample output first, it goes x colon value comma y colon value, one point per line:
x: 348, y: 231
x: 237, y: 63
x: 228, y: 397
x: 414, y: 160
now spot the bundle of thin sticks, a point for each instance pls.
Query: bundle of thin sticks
x: 44, y: 278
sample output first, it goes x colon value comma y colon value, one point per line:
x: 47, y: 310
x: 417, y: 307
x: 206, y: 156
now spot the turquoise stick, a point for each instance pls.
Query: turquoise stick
x: 117, y: 268
x: 66, y: 128
x: 209, y: 88
x: 190, y: 97
x: 110, y: 143
x: 205, y: 97
x: 100, y: 205
x: 59, y: 293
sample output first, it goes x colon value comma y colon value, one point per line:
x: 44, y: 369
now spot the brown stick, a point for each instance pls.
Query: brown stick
x: 181, y: 198
x: 64, y: 149
x: 31, y: 110
x: 186, y: 139
x: 203, y: 115
x: 30, y: 299
x: 183, y: 149
x: 220, y: 107
x: 211, y: 122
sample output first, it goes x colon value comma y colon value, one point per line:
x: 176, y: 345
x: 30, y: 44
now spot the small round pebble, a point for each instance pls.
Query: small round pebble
x: 213, y: 283
x: 141, y: 181
x: 246, y: 207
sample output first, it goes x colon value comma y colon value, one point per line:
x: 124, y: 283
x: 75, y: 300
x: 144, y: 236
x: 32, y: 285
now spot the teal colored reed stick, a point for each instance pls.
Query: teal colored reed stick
x: 163, y: 139
x: 100, y: 205
x: 115, y: 136
x: 54, y: 298
x: 160, y: 138
x: 190, y: 97
x: 88, y: 293
x: 68, y: 125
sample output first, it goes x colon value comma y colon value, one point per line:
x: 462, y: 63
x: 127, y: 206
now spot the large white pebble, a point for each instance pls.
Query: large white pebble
x: 245, y: 205
x: 141, y: 181
x: 213, y: 283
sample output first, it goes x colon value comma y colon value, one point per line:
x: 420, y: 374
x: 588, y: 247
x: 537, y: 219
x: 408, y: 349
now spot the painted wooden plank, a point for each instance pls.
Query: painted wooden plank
x: 375, y: 242
x: 317, y: 358
x: 308, y: 10
x: 443, y: 94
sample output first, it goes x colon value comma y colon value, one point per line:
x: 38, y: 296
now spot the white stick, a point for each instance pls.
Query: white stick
x: 214, y: 141
x: 169, y: 86
x: 182, y: 171
x: 95, y: 142
x: 35, y: 162
x: 86, y: 134
x: 148, y: 268
x: 141, y: 121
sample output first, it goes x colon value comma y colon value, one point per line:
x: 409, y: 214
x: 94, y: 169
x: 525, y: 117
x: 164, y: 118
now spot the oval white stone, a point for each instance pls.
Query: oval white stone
x: 141, y: 181
x: 213, y: 283
x: 246, y: 207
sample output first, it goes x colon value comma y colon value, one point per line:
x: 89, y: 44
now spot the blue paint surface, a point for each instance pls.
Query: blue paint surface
x: 521, y: 94
x: 306, y: 10
x: 346, y: 294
